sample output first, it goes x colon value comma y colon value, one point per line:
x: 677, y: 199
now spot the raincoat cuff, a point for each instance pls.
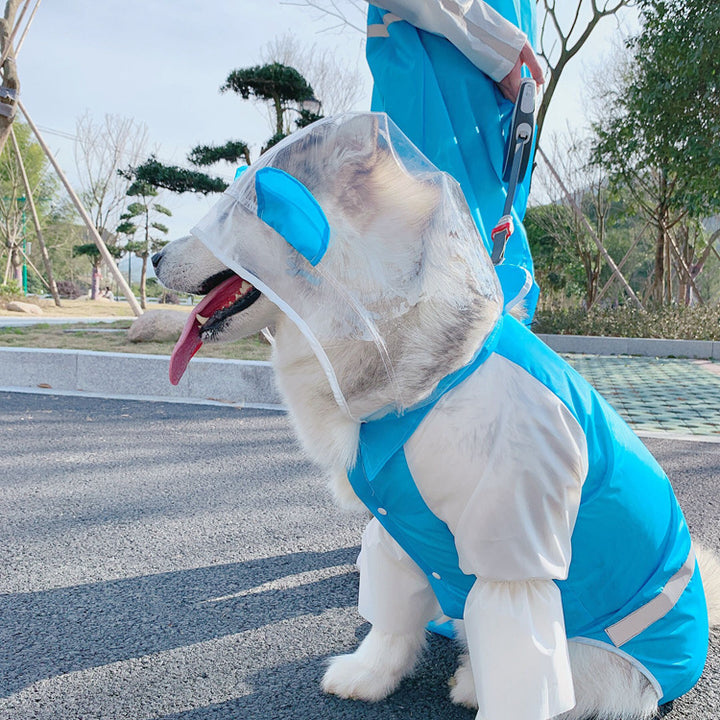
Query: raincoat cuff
x: 518, y: 650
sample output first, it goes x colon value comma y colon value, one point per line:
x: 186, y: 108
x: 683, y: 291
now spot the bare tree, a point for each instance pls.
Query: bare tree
x: 564, y: 30
x: 103, y: 148
x: 343, y: 14
x: 339, y: 87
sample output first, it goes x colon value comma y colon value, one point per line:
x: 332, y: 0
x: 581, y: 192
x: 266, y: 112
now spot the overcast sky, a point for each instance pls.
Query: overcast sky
x: 161, y: 62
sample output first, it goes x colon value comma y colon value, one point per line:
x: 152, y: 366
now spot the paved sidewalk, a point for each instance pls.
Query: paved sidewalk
x: 665, y: 395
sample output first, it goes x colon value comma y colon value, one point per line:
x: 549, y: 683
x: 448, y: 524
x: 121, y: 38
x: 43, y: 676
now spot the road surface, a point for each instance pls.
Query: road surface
x: 185, y: 562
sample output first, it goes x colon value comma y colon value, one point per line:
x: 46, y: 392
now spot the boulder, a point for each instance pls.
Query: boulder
x: 27, y: 308
x: 157, y: 326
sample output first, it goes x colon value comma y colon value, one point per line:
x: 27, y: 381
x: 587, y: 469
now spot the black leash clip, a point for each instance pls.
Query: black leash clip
x: 517, y: 159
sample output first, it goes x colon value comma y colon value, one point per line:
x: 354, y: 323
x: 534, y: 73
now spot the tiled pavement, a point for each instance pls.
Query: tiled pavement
x: 657, y: 394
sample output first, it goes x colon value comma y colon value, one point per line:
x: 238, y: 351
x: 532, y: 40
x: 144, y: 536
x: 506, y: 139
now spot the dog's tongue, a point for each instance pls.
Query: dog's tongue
x: 189, y: 343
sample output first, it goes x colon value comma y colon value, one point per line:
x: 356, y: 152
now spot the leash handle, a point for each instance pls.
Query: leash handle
x: 517, y: 159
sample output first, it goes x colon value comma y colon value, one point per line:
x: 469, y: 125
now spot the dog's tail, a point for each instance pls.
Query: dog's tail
x: 710, y: 573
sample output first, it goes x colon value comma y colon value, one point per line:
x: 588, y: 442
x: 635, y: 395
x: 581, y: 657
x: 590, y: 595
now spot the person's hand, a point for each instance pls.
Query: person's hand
x: 510, y: 84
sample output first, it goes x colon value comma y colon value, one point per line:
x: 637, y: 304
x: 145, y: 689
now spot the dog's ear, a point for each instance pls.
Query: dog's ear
x: 357, y: 139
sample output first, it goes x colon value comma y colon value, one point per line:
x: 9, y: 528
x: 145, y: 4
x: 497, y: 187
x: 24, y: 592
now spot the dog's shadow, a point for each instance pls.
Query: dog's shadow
x: 292, y: 692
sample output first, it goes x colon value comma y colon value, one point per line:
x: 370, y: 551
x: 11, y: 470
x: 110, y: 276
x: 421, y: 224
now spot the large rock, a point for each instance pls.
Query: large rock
x: 27, y: 308
x: 157, y: 326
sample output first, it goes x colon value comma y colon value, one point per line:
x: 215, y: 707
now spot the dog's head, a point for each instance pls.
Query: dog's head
x: 346, y: 229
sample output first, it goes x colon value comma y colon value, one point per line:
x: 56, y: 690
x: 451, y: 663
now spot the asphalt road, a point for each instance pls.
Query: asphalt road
x: 185, y: 562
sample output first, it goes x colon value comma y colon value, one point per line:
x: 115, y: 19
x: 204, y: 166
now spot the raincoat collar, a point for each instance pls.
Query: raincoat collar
x: 381, y: 438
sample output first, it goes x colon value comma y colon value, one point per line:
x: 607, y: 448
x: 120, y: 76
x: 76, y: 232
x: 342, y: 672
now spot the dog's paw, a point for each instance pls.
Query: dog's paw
x: 375, y: 669
x: 462, y: 685
x: 349, y: 677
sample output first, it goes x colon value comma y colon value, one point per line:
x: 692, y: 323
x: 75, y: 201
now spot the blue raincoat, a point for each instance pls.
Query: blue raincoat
x: 456, y: 116
x: 633, y: 585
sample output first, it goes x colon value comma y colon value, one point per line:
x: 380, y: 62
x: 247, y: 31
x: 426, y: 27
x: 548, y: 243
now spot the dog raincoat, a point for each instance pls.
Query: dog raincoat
x: 551, y: 521
x: 504, y: 488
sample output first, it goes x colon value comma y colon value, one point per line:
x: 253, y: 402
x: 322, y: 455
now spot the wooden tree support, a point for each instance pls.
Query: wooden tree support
x: 621, y: 264
x: 52, y: 285
x: 106, y: 256
x: 581, y: 216
x: 10, y: 80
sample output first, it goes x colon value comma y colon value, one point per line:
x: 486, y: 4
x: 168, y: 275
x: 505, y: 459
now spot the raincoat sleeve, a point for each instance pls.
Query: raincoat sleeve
x: 510, y: 493
x: 395, y: 596
x: 485, y: 37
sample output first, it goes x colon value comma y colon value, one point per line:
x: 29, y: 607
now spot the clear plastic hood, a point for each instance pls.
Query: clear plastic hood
x: 370, y: 250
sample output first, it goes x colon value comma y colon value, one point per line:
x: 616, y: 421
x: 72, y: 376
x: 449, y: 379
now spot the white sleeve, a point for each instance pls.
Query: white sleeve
x: 395, y: 595
x: 510, y: 494
x: 518, y: 650
x: 485, y: 37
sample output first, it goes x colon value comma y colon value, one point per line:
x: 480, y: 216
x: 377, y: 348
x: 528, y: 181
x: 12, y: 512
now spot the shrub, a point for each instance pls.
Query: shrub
x: 10, y: 291
x: 701, y: 322
x: 69, y: 289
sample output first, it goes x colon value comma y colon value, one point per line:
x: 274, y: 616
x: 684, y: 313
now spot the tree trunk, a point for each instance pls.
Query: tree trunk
x: 658, y: 281
x: 279, y: 116
x: 661, y: 268
x: 95, y: 284
x: 17, y: 264
x: 10, y: 78
x: 143, y: 279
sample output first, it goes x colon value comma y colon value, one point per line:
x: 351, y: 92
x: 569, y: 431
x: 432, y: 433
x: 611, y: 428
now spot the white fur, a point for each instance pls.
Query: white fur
x: 606, y: 685
x: 710, y: 574
x: 376, y: 668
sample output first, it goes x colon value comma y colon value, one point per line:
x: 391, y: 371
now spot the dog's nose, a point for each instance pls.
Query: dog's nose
x: 156, y: 258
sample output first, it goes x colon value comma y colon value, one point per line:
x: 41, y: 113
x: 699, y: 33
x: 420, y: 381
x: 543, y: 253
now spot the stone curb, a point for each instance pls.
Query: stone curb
x: 244, y: 382
x: 240, y: 382
x: 646, y: 347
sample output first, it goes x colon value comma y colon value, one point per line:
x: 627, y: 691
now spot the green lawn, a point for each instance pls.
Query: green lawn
x: 112, y: 337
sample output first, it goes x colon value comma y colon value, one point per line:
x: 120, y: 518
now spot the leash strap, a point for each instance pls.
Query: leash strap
x: 516, y: 163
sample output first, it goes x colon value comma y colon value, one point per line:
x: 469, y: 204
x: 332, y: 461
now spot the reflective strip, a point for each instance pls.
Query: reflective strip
x: 461, y: 16
x: 642, y: 618
x: 374, y: 31
x: 379, y: 30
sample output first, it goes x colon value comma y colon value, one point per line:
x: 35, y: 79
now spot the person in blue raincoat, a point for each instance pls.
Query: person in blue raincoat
x: 447, y: 73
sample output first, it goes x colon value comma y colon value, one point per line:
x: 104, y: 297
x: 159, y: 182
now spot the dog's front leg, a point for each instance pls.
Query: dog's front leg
x: 397, y: 599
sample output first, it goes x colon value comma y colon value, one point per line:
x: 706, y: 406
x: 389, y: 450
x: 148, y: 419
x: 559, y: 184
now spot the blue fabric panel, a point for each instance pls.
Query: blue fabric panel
x: 686, y: 630
x: 424, y: 537
x: 630, y: 536
x: 382, y: 479
x: 513, y: 281
x: 290, y: 209
x: 446, y: 628
x: 456, y: 116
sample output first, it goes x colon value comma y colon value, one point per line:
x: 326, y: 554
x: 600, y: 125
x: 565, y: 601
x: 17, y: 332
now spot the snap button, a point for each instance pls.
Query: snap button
x: 382, y: 511
x: 436, y: 575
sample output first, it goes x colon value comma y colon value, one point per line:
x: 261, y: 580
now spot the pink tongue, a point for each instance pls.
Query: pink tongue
x: 189, y: 343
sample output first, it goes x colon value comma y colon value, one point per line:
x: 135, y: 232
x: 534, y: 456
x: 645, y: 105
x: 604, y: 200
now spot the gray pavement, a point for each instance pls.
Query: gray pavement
x: 185, y: 562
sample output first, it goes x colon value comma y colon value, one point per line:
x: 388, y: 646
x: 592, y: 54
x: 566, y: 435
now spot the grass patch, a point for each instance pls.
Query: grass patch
x: 112, y: 337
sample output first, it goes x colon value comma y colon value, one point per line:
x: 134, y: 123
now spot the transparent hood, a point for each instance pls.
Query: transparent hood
x: 370, y: 250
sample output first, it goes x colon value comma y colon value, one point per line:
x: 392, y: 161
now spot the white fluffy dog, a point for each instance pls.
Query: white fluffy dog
x: 366, y: 265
